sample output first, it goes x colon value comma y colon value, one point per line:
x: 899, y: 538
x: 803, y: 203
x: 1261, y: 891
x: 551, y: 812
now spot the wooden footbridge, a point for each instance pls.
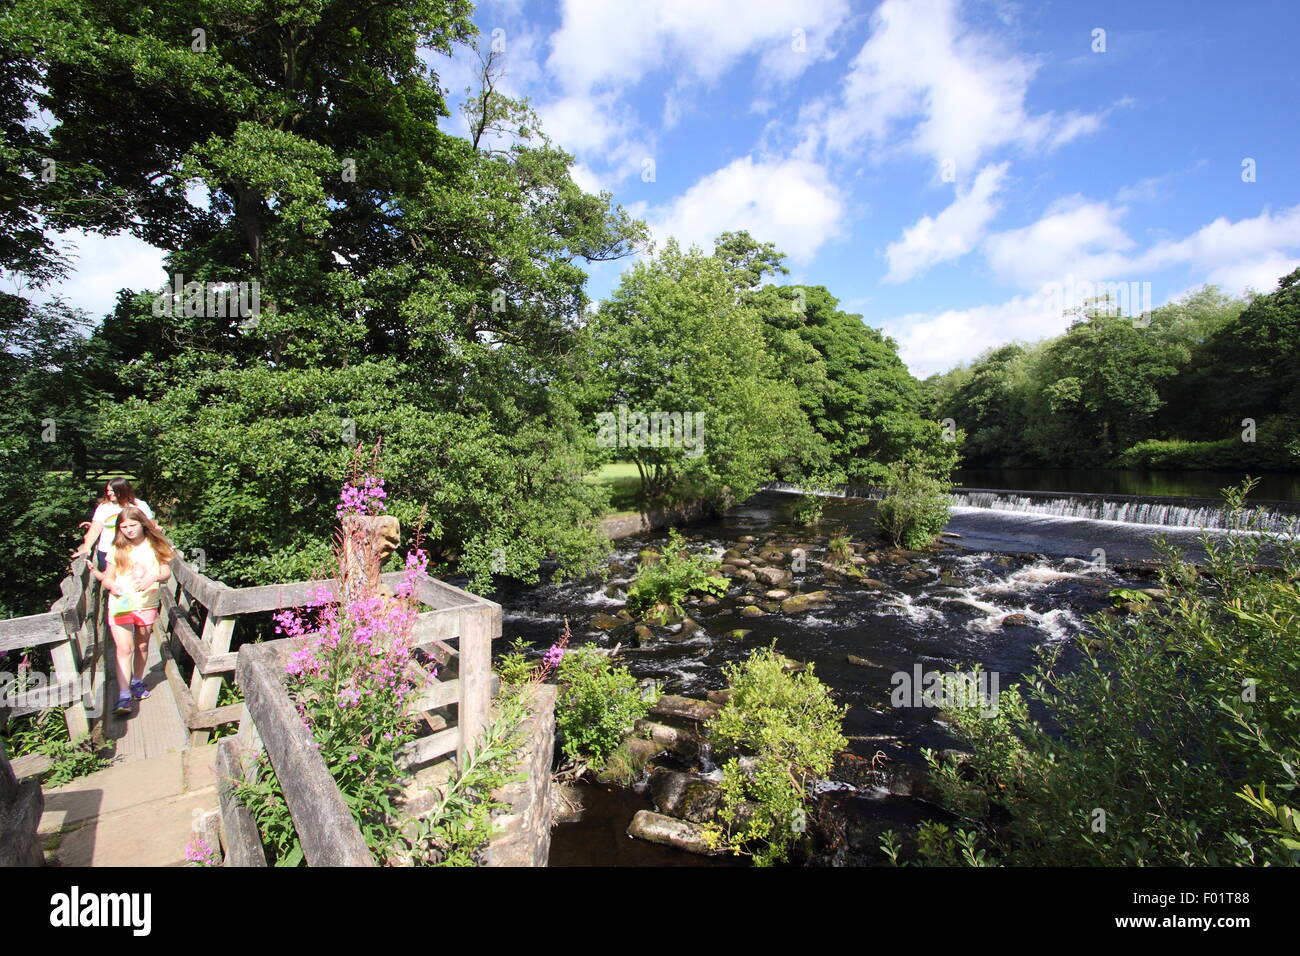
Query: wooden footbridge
x: 167, y: 779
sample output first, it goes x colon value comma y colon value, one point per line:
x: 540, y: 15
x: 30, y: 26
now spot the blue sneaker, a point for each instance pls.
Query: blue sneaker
x: 138, y: 690
x: 123, y: 703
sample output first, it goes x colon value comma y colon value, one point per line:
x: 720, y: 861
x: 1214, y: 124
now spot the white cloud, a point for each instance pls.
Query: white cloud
x: 952, y: 233
x: 101, y: 265
x: 1231, y: 246
x: 1257, y: 274
x: 935, y: 343
x: 790, y: 202
x: 1074, y: 237
x: 614, y: 43
x: 951, y: 92
x: 1078, y: 243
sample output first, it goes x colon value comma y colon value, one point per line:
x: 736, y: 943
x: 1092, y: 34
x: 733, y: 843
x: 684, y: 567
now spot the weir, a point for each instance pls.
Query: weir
x: 1150, y: 510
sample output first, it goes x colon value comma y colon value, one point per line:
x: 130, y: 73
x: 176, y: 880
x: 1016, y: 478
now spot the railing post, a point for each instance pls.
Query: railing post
x: 476, y: 633
x: 217, y: 633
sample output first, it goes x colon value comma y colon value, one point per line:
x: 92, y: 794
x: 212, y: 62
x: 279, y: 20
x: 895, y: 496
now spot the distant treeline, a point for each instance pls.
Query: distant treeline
x: 1208, y: 381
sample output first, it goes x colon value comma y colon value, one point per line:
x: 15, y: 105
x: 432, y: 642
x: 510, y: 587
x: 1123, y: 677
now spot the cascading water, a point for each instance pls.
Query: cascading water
x: 1153, y: 511
x: 1275, y: 516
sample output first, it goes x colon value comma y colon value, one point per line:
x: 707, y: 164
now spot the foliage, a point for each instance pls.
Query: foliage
x: 46, y: 732
x: 809, y: 507
x: 1174, y: 727
x: 915, y: 507
x: 855, y: 390
x: 513, y: 666
x: 677, y: 338
x: 458, y: 828
x: 598, y: 704
x: 792, y: 726
x: 675, y: 573
x: 48, y: 409
x: 417, y: 284
x: 1172, y: 389
x: 1126, y: 595
x: 351, y: 678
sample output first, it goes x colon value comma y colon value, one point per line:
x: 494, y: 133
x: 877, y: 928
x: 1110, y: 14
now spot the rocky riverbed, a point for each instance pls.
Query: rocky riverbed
x: 860, y: 617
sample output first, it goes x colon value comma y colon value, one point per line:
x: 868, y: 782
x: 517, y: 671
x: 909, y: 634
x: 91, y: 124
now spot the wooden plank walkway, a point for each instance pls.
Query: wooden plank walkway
x: 137, y: 813
x: 154, y: 727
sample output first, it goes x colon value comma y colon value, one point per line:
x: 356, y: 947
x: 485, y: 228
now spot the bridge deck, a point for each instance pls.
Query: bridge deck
x: 154, y: 726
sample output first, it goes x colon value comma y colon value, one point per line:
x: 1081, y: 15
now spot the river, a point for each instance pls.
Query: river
x: 1003, y: 587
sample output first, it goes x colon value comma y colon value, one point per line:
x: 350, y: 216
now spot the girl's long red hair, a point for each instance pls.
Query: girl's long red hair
x: 122, y: 547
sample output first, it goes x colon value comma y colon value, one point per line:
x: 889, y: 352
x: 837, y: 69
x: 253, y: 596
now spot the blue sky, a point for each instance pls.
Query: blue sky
x: 939, y: 165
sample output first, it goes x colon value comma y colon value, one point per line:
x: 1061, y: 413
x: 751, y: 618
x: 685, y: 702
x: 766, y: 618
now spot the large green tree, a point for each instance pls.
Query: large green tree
x: 296, y: 145
x: 678, y: 337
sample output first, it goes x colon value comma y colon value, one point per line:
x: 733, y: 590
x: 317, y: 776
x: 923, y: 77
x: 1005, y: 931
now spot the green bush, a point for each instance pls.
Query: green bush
x: 1276, y: 446
x: 598, y: 704
x: 791, y: 726
x: 1174, y: 728
x: 675, y: 573
x: 46, y: 732
x: 916, y: 506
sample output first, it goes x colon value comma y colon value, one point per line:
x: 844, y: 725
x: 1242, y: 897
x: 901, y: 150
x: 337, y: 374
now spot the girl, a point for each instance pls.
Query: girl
x: 118, y: 494
x: 140, y: 559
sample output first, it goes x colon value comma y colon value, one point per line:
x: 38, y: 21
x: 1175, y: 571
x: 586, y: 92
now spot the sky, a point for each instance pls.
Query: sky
x: 955, y: 171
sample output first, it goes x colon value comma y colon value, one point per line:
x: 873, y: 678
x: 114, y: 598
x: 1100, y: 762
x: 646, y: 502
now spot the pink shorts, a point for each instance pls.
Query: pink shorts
x: 143, y: 618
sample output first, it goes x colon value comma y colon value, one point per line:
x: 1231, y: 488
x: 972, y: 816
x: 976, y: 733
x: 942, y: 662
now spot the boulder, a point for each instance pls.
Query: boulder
x: 681, y: 742
x: 719, y: 696
x: 709, y: 601
x: 737, y: 562
x: 668, y: 831
x: 773, y: 577
x: 684, y: 795
x: 776, y: 594
x: 643, y: 633
x: 745, y: 575
x: 752, y: 611
x: 647, y: 556
x: 802, y: 602
x: 873, y: 584
x: 1016, y: 620
x: 604, y: 621
x: 685, y: 708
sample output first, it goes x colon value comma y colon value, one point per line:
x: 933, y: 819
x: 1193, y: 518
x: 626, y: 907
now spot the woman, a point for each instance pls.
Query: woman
x: 118, y: 494
x: 139, y: 561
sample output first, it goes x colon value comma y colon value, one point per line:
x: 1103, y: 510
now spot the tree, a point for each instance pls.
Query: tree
x: 851, y: 383
x: 439, y: 280
x: 676, y: 339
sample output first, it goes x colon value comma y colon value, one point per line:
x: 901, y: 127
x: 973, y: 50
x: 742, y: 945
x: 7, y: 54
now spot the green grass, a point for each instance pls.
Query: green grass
x: 624, y: 482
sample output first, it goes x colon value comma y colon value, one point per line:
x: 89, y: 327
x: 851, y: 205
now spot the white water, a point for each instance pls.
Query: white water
x: 1151, y: 512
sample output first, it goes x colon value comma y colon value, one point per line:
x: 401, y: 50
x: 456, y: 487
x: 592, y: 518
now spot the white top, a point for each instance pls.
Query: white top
x: 107, y: 514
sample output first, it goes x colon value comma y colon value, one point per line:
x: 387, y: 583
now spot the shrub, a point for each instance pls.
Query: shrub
x: 598, y: 704
x: 791, y: 726
x: 46, y: 732
x: 1174, y: 727
x: 676, y: 573
x: 916, y: 506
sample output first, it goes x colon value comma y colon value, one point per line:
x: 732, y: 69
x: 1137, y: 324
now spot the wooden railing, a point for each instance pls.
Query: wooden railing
x: 74, y: 633
x: 326, y: 829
